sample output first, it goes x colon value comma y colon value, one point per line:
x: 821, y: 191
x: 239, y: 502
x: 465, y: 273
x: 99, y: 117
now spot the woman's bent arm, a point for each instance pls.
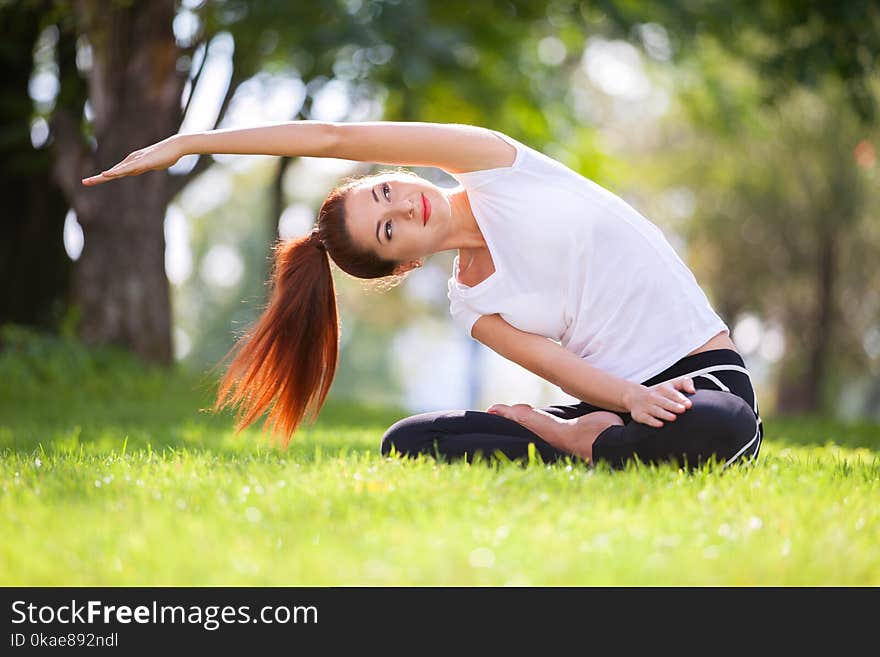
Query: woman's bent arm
x: 452, y: 147
x: 560, y: 367
x: 553, y: 363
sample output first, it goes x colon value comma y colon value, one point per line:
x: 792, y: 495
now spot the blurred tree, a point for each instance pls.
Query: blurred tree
x: 465, y: 62
x: 784, y: 229
x: 34, y: 207
x: 789, y: 44
x: 135, y: 86
x: 777, y: 143
x: 503, y: 64
x: 445, y: 59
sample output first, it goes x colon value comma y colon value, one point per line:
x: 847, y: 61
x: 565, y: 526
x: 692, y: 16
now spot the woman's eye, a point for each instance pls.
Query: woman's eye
x: 386, y: 190
x: 388, y: 230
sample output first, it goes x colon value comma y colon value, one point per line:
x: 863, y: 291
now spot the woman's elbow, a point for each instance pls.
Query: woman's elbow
x: 329, y: 139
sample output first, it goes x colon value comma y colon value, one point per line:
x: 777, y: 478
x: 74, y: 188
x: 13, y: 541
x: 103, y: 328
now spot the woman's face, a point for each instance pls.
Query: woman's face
x: 398, y: 217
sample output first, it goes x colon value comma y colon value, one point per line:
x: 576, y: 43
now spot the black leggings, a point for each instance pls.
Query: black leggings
x: 723, y: 424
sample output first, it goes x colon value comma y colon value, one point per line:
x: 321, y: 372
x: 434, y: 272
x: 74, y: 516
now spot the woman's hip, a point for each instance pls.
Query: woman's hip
x: 717, y: 369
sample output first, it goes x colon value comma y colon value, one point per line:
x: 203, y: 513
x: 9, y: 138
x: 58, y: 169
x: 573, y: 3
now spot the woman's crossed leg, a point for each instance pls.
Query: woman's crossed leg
x: 719, y: 425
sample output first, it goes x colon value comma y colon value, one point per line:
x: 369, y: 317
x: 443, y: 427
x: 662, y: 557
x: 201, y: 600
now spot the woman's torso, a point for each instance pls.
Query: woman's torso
x: 720, y: 341
x: 480, y: 267
x: 569, y: 260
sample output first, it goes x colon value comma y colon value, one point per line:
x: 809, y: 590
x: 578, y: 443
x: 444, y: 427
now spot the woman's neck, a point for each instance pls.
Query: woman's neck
x: 465, y: 233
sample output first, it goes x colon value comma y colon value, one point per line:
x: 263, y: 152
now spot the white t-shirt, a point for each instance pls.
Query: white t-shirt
x: 576, y: 264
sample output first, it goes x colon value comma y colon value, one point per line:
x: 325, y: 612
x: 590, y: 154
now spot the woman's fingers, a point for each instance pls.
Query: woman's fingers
x: 684, y: 383
x: 650, y: 420
x: 676, y: 402
x: 94, y: 180
x: 666, y: 401
x: 670, y: 391
x: 104, y: 176
x: 662, y: 414
x: 160, y: 155
x: 127, y: 167
x: 671, y: 400
x: 118, y: 171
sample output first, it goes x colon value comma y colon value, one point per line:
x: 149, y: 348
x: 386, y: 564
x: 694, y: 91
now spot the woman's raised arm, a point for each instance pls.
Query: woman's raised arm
x: 452, y: 147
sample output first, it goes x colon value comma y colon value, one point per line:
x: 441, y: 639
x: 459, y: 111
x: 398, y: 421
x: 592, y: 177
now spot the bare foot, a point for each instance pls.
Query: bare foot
x: 573, y: 436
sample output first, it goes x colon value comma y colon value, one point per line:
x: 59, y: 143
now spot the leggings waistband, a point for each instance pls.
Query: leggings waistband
x: 716, y: 366
x: 705, y: 359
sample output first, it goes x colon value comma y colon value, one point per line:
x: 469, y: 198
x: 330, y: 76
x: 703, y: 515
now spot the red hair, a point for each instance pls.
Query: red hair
x: 287, y: 360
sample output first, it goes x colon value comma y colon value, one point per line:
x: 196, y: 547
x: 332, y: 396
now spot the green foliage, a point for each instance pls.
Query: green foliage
x: 93, y: 493
x: 95, y: 396
x: 784, y: 225
x: 789, y: 45
x: 33, y: 364
x: 450, y: 62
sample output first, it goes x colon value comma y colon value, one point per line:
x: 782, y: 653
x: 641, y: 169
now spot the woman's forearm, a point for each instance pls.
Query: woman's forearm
x: 555, y: 364
x: 451, y: 147
x: 588, y: 383
x: 294, y: 138
x: 652, y: 405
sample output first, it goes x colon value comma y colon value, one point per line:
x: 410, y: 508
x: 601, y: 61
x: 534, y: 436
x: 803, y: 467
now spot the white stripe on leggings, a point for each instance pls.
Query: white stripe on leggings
x: 731, y: 368
x: 716, y: 381
x: 744, y: 448
x: 720, y: 368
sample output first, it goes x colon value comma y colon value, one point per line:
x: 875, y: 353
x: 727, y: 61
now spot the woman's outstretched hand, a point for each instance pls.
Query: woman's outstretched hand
x: 160, y: 155
x: 661, y: 402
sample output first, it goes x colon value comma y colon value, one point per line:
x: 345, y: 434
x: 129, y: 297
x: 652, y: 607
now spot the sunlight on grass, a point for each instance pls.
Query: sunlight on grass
x: 133, y: 485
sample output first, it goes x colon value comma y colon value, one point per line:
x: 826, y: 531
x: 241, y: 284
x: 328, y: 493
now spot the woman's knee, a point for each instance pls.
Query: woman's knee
x: 722, y: 417
x: 411, y: 435
x: 399, y: 437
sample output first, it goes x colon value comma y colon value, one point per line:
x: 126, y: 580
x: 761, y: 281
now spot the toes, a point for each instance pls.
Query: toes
x: 512, y: 412
x: 521, y: 413
x: 518, y: 413
x: 532, y: 418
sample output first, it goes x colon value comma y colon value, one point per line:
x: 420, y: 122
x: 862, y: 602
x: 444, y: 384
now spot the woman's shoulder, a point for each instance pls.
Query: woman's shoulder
x: 529, y: 167
x: 507, y: 163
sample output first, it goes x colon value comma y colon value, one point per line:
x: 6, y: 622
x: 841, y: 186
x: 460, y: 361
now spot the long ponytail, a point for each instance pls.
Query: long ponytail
x: 289, y: 357
x: 287, y: 360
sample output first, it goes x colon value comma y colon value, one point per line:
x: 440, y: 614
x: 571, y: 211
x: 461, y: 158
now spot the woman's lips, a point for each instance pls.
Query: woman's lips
x: 426, y: 210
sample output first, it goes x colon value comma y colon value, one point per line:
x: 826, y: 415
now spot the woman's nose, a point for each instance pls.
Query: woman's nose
x: 407, y: 209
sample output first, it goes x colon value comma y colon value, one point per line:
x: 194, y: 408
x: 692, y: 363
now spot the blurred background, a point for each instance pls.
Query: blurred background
x: 747, y: 131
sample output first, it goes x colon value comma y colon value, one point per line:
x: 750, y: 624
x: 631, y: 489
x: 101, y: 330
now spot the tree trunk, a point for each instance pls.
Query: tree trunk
x: 801, y: 388
x: 34, y: 267
x: 135, y: 88
x: 823, y: 338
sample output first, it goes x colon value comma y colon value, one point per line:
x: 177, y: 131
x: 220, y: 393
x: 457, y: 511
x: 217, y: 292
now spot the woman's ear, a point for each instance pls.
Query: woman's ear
x: 404, y: 267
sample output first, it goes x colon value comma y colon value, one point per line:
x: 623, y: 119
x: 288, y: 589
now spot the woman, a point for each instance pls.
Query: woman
x: 553, y: 272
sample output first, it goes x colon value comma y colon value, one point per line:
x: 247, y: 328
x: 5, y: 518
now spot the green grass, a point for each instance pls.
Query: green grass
x: 111, y: 475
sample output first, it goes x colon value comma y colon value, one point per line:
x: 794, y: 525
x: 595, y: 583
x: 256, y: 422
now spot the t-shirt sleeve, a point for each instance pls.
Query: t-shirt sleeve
x: 475, y: 179
x: 463, y: 316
